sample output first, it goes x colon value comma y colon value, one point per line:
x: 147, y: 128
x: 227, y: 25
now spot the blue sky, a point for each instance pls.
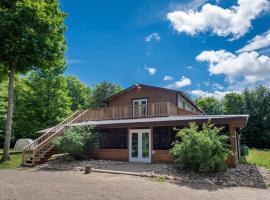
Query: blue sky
x: 203, y: 47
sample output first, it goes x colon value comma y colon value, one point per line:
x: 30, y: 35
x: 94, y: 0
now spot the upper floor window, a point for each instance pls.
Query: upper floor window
x: 140, y: 107
x: 184, y: 105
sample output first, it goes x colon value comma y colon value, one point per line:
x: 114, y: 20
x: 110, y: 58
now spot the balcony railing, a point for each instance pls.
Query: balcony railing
x: 162, y: 109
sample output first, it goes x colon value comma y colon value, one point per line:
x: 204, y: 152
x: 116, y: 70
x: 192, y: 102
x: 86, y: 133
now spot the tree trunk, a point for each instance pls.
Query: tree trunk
x: 9, y: 114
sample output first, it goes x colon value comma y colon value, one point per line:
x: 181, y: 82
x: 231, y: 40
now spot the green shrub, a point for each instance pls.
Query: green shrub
x: 201, y: 150
x: 78, y: 141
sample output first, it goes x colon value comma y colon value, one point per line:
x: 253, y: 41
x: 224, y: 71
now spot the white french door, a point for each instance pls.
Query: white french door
x: 140, y: 145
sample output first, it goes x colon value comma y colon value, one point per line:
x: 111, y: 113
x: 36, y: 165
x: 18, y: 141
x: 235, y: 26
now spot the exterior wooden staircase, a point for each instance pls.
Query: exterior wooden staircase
x: 42, y: 148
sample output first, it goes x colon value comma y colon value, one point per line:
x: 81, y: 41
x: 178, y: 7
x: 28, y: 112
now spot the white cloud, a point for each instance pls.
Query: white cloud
x: 217, y: 94
x: 247, y: 67
x: 184, y: 81
x: 184, y: 5
x: 151, y: 70
x: 168, y: 78
x: 217, y: 86
x: 259, y: 42
x: 235, y: 20
x: 206, y: 83
x: 152, y: 37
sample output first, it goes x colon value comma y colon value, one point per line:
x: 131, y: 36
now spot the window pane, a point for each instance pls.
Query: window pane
x: 163, y: 137
x: 134, y: 145
x: 145, y: 145
x: 113, y: 138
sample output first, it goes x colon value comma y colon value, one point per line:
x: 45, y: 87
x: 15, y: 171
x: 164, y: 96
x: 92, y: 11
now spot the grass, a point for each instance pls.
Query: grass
x: 15, y: 161
x: 259, y: 157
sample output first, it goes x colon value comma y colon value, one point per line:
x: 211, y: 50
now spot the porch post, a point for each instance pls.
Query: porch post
x: 152, y: 133
x: 233, y: 143
x: 128, y: 130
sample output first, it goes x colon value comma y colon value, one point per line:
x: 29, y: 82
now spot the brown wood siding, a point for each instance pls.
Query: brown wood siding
x: 110, y: 154
x: 181, y: 111
x: 153, y: 95
x: 161, y: 156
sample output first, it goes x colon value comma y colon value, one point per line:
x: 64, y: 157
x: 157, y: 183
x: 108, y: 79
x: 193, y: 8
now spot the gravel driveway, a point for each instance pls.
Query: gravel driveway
x: 32, y: 184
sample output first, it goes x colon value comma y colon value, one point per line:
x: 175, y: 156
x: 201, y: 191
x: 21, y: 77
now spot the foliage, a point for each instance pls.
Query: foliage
x: 78, y: 141
x: 31, y: 37
x: 234, y: 103
x: 201, y: 150
x: 41, y: 101
x: 102, y: 91
x: 257, y: 104
x: 3, y: 110
x: 210, y: 105
x: 79, y: 93
x: 31, y: 34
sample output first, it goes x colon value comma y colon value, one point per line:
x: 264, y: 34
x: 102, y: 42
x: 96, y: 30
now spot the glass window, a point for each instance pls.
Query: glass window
x: 145, y: 145
x: 184, y: 105
x: 163, y: 137
x: 113, y: 138
x: 134, y: 145
x: 139, y: 107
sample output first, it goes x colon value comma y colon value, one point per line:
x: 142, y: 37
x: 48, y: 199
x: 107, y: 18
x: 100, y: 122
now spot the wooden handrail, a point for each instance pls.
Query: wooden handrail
x: 57, y: 132
x: 52, y: 130
x: 46, y: 137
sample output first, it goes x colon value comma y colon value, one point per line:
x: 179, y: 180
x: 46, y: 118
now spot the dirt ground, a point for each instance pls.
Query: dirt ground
x: 33, y: 184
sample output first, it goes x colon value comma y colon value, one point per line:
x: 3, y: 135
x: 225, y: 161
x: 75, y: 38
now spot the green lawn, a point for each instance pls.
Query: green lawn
x: 259, y: 157
x: 15, y: 161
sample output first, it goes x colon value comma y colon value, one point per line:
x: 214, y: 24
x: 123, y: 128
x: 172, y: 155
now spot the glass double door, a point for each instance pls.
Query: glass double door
x: 140, y: 145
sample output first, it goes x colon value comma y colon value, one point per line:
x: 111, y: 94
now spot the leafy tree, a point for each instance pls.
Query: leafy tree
x: 257, y: 105
x: 3, y: 109
x: 234, y: 103
x: 78, y: 141
x: 201, y: 150
x: 210, y: 105
x: 102, y: 91
x: 79, y: 93
x: 41, y: 101
x: 31, y: 37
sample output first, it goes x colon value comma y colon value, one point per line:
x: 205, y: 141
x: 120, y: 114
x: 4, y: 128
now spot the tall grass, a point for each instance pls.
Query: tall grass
x: 259, y: 157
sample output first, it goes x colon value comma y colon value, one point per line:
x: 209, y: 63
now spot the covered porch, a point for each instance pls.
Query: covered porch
x: 149, y: 140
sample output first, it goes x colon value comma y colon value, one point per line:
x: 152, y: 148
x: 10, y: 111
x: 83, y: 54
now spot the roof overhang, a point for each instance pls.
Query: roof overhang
x: 239, y: 121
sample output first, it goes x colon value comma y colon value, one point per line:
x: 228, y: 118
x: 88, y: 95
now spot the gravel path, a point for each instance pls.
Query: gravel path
x: 32, y: 184
x: 244, y: 175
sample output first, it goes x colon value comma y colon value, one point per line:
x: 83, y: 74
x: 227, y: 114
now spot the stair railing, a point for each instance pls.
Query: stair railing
x: 28, y: 150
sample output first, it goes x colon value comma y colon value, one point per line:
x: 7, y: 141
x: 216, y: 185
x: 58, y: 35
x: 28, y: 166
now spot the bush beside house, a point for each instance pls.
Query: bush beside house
x: 204, y: 150
x: 78, y: 141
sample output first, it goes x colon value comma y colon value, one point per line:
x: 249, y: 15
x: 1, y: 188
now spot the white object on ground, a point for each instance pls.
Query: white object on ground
x: 22, y: 143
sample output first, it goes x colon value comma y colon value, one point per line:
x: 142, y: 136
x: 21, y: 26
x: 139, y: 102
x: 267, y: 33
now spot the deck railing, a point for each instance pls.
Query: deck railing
x: 162, y: 109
